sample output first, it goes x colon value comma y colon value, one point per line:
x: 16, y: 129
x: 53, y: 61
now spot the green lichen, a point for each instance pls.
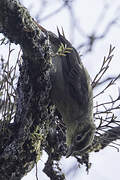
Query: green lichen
x: 36, y: 138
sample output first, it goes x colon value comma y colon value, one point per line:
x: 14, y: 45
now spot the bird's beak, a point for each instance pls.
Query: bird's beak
x: 69, y: 151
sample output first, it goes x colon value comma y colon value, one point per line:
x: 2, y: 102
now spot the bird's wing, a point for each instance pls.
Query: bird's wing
x: 75, y: 74
x: 76, y: 78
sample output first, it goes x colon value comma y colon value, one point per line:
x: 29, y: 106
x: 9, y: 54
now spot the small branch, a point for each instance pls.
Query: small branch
x: 36, y: 172
x: 104, y: 67
x: 106, y: 80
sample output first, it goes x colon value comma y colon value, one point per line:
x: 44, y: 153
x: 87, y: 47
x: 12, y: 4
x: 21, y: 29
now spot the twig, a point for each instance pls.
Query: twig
x: 36, y: 171
x: 104, y: 67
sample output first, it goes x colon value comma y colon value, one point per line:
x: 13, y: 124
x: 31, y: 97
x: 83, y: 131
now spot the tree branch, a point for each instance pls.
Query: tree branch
x: 20, y: 145
x: 18, y: 26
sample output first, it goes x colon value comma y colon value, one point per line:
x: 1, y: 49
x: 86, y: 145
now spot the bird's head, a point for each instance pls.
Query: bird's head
x: 79, y: 138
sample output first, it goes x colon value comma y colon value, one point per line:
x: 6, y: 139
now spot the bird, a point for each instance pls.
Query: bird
x: 72, y: 94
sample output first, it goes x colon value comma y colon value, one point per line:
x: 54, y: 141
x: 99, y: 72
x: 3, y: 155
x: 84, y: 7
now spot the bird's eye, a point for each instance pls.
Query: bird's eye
x: 78, y: 138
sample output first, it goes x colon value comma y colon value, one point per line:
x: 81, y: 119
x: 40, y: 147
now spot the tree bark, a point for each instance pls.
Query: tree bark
x: 21, y: 150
